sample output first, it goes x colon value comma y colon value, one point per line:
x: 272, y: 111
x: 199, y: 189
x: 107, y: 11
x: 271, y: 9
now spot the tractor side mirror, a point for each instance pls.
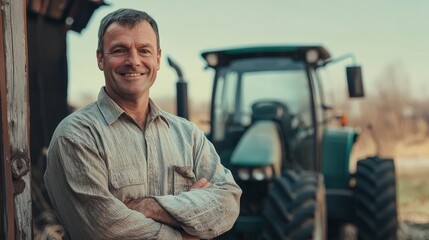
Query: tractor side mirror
x: 354, y: 81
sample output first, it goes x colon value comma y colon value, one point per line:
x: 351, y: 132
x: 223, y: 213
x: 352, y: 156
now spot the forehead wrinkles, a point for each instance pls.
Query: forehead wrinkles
x: 140, y: 35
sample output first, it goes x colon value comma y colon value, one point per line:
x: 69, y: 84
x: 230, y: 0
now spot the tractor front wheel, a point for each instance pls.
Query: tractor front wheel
x: 296, y: 207
x: 375, y: 198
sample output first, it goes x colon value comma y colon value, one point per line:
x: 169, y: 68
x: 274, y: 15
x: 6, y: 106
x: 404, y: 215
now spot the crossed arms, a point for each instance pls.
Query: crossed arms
x: 151, y: 209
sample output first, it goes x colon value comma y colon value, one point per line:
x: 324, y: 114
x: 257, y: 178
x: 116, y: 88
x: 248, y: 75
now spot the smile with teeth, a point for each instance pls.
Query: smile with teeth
x: 132, y: 74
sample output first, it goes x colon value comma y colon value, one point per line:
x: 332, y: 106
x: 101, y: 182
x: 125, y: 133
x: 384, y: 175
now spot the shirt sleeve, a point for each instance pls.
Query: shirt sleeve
x: 207, y: 212
x: 77, y: 183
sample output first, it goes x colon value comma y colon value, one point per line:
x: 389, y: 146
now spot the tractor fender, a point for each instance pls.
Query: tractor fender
x: 259, y: 146
x: 337, y: 145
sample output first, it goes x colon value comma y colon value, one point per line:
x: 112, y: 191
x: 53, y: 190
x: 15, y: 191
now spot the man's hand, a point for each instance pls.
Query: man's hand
x: 202, y: 183
x: 151, y: 209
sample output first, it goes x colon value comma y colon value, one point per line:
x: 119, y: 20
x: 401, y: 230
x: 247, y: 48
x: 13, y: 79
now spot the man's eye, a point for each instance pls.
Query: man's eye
x: 119, y: 51
x: 144, y: 51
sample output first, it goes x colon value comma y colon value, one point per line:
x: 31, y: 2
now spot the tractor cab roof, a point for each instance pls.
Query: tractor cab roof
x: 224, y: 57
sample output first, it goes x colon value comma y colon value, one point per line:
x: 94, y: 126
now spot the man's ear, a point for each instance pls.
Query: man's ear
x: 158, y: 59
x: 100, y: 59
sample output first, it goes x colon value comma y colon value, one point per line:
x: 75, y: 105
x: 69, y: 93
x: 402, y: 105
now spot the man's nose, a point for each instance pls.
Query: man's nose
x: 133, y: 58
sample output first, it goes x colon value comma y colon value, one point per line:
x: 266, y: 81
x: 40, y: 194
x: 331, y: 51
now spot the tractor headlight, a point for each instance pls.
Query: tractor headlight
x: 212, y: 59
x: 256, y: 173
x: 243, y: 174
x: 262, y: 173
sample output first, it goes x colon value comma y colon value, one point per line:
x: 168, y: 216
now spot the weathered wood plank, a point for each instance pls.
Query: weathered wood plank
x: 6, y: 188
x: 15, y: 50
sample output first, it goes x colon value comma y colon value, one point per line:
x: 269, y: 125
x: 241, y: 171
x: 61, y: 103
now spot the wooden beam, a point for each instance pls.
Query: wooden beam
x: 17, y: 110
x: 6, y: 188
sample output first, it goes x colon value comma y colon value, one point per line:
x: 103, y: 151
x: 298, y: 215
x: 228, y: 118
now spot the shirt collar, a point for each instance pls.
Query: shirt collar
x: 111, y: 111
x: 156, y: 112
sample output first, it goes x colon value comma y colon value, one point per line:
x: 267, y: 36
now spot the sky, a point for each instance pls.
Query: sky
x: 380, y: 34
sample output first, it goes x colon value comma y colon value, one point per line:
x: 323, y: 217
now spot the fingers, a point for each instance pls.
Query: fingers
x: 127, y: 201
x: 130, y: 203
x: 202, y: 183
x: 207, y: 185
x: 133, y: 203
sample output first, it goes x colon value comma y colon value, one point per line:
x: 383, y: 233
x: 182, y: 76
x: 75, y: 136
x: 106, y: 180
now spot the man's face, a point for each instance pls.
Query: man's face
x: 130, y: 60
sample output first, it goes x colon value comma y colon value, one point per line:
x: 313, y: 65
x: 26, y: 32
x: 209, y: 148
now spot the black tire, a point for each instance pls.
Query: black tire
x: 375, y: 198
x: 296, y: 207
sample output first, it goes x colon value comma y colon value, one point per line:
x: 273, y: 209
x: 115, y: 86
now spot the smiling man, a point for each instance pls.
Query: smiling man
x: 122, y: 168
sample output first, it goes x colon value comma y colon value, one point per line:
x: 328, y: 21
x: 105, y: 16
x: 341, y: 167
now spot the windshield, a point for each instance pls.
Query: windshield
x: 248, y: 81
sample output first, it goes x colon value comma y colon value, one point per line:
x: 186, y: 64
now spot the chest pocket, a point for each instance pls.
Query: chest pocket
x: 127, y: 183
x: 183, y: 178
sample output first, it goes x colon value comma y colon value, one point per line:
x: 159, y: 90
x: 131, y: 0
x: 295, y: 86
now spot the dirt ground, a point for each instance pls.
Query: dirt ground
x: 413, y: 198
x: 412, y: 166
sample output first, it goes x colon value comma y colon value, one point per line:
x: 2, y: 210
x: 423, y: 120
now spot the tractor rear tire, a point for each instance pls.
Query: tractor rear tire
x: 296, y: 207
x: 375, y: 198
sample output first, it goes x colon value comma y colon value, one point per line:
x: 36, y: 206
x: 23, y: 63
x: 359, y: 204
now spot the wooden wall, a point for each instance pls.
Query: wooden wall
x: 15, y: 159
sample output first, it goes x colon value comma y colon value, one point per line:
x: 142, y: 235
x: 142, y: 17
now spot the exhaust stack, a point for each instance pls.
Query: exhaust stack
x: 181, y: 91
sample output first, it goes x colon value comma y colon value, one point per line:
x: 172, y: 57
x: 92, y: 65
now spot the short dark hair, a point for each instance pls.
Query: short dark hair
x: 126, y: 17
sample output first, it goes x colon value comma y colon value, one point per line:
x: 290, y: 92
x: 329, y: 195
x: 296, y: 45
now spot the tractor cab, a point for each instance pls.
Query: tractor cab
x: 263, y: 90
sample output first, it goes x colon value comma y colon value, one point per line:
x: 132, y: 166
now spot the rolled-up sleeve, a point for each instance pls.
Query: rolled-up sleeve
x: 77, y: 183
x: 206, y: 212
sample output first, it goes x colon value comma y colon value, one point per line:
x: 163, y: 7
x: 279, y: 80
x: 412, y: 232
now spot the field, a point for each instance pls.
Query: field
x: 413, y: 192
x: 413, y: 196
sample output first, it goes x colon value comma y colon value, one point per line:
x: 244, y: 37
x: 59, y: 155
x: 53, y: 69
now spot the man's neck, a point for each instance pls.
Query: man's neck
x: 137, y: 109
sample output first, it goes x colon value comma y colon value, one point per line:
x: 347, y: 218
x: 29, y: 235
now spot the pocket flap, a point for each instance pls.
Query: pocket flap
x: 184, y: 171
x: 125, y: 177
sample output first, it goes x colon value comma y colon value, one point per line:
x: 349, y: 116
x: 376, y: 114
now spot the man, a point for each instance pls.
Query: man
x: 121, y: 168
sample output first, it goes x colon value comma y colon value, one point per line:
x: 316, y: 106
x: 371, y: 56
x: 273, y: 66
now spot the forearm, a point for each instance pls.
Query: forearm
x: 114, y: 220
x: 206, y: 213
x: 150, y: 208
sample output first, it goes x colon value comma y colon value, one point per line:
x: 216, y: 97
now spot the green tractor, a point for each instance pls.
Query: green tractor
x: 270, y: 125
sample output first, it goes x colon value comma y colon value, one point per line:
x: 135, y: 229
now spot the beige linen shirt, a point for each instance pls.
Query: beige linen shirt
x: 98, y: 157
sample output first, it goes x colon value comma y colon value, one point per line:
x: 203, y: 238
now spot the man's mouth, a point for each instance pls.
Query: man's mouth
x: 132, y: 74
